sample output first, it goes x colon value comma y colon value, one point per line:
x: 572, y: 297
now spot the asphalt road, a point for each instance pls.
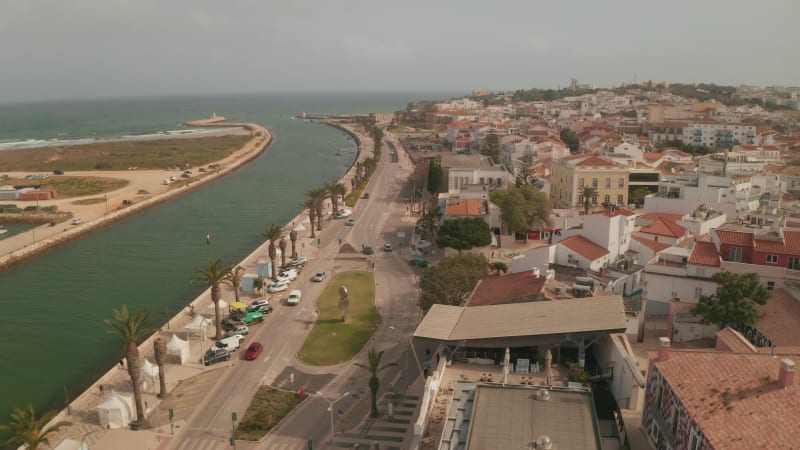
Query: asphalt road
x: 378, y: 220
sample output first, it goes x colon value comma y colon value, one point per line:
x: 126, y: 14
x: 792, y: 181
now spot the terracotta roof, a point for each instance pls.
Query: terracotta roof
x: 465, y: 208
x: 790, y: 244
x: 730, y: 340
x: 663, y: 227
x: 652, y: 156
x: 595, y: 161
x: 658, y: 215
x: 735, y: 238
x: 651, y: 244
x: 618, y: 212
x: 584, y: 247
x: 756, y: 412
x: 780, y: 320
x: 704, y: 254
x: 514, y: 288
x: 678, y: 153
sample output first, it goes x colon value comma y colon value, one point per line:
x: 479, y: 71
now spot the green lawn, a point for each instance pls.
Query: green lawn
x: 268, y: 407
x: 331, y: 341
x: 351, y: 198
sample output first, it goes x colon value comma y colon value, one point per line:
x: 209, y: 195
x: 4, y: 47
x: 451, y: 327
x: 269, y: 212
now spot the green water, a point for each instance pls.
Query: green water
x: 53, y: 333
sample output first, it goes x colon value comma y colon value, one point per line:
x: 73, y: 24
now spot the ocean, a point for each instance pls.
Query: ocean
x: 53, y: 336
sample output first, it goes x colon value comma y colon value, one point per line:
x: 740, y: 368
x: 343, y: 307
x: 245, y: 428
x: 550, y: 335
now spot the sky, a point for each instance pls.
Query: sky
x: 54, y: 49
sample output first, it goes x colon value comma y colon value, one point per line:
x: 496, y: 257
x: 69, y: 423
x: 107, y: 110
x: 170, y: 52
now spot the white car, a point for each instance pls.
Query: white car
x: 291, y: 274
x: 319, y: 276
x: 77, y: 221
x: 239, y: 330
x: 294, y: 297
x: 278, y: 286
x: 344, y: 213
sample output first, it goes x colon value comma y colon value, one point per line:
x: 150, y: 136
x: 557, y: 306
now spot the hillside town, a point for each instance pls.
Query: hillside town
x: 671, y: 207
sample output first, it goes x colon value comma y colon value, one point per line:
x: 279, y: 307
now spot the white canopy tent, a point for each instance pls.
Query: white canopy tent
x: 71, y: 444
x: 197, y: 326
x: 223, y: 306
x: 148, y: 372
x: 177, y: 346
x: 116, y: 411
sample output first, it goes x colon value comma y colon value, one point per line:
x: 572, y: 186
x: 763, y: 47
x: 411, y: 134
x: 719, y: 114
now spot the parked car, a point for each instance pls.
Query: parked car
x: 261, y: 306
x: 253, y: 351
x: 368, y: 250
x: 278, y: 286
x: 291, y: 274
x: 240, y: 329
x: 366, y: 195
x: 142, y: 191
x: 58, y: 172
x: 387, y: 247
x: 350, y: 222
x: 77, y: 221
x: 127, y: 202
x: 342, y: 213
x: 215, y: 355
x: 319, y: 276
x: 302, y: 260
x: 229, y: 324
x: 230, y: 343
x: 420, y: 262
x: 253, y: 317
x: 294, y: 297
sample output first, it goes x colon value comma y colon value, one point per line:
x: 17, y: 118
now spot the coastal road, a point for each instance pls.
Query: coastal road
x: 377, y: 221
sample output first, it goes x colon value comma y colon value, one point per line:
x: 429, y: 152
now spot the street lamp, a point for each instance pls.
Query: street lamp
x: 330, y: 408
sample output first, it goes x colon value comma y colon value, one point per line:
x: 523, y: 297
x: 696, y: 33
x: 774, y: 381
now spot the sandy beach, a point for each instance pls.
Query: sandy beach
x: 44, y: 237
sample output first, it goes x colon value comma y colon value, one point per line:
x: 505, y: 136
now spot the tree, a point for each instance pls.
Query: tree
x: 491, y: 147
x: 525, y: 175
x: 337, y: 191
x: 282, y: 245
x: 28, y: 431
x: 160, y: 350
x: 133, y: 330
x: 374, y: 367
x: 464, y: 233
x: 258, y: 283
x: 318, y: 196
x: 215, y: 275
x: 638, y: 195
x: 499, y: 266
x: 436, y: 182
x: 293, y: 238
x: 734, y: 301
x: 272, y: 233
x: 236, y: 280
x: 427, y: 224
x: 310, y: 203
x: 452, y: 280
x: 571, y: 139
x: 588, y: 193
x: 522, y: 208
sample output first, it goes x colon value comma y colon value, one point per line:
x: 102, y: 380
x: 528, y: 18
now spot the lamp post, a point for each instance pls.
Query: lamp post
x: 330, y: 408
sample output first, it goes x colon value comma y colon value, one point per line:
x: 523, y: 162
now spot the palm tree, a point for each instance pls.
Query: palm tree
x: 282, y: 245
x: 272, y: 233
x: 215, y: 275
x: 318, y: 195
x: 258, y: 284
x: 133, y: 329
x: 236, y: 280
x: 293, y: 238
x: 29, y: 432
x: 310, y: 203
x: 335, y: 190
x: 499, y: 266
x: 374, y: 368
x: 588, y: 193
x: 160, y: 349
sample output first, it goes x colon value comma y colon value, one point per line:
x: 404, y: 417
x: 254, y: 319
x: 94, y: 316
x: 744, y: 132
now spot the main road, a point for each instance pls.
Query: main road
x: 380, y: 219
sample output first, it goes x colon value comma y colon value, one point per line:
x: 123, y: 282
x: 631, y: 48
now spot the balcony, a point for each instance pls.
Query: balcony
x: 792, y: 274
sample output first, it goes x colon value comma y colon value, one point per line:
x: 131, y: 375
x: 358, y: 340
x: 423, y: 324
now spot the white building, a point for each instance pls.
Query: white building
x: 730, y: 163
x: 718, y: 134
x: 735, y: 196
x: 465, y: 170
x: 682, y: 273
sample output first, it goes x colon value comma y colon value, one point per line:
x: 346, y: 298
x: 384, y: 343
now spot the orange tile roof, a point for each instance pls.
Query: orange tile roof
x: 659, y: 215
x: 735, y: 238
x: 595, y: 161
x: 465, y: 208
x: 756, y: 412
x: 704, y: 254
x: 780, y: 319
x: 790, y: 244
x: 651, y: 244
x: 584, y: 247
x: 513, y: 288
x: 663, y: 227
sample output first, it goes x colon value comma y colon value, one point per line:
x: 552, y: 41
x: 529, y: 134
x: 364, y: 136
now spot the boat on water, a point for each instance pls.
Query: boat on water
x: 339, y: 152
x: 2, y: 231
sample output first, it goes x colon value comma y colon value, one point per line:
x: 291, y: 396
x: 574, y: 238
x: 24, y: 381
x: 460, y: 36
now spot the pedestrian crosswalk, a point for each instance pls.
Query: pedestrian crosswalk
x: 203, y: 444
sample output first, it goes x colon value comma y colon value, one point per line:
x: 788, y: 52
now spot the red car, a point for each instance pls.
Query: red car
x: 253, y: 351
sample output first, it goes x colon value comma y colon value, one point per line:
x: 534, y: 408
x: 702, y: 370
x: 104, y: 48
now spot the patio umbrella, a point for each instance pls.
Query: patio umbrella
x: 548, y: 374
x: 506, y: 363
x: 300, y: 227
x: 238, y: 305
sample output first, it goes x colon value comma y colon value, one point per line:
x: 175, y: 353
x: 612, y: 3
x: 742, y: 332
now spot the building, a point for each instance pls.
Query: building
x: 681, y: 273
x: 465, y: 170
x: 705, y: 400
x: 723, y: 163
x: 569, y: 176
x: 773, y: 255
x: 718, y: 134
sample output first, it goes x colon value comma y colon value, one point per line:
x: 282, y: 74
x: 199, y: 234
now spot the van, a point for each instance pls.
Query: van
x: 230, y: 344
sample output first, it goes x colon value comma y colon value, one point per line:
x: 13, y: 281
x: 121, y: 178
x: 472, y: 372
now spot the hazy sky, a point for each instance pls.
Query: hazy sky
x: 97, y: 48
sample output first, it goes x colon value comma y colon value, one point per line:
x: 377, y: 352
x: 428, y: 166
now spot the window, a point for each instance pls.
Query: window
x: 772, y: 259
x: 736, y: 254
x: 620, y: 199
x: 608, y: 182
x: 698, y: 291
x: 701, y: 272
x: 794, y: 263
x: 622, y: 182
x: 482, y: 182
x: 770, y: 285
x: 580, y: 182
x: 580, y: 200
x: 594, y: 200
x: 499, y: 181
x: 594, y: 182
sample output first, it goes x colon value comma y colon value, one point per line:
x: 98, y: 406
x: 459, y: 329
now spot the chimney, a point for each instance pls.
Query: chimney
x: 786, y: 375
x: 535, y: 272
x: 663, y: 349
